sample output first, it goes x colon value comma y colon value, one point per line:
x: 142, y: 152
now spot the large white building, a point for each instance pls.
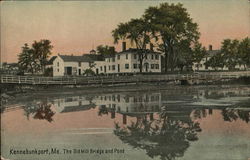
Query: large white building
x: 126, y: 61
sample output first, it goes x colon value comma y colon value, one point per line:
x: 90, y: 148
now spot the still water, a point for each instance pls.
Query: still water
x: 183, y: 123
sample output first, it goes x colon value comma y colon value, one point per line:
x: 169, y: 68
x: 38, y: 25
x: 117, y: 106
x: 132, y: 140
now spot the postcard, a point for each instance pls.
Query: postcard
x: 125, y: 80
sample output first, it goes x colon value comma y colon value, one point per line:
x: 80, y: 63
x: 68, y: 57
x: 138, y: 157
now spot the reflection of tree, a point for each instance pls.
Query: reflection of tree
x: 199, y: 113
x: 166, y: 137
x: 44, y: 112
x: 40, y: 111
x: 233, y: 114
x: 103, y: 110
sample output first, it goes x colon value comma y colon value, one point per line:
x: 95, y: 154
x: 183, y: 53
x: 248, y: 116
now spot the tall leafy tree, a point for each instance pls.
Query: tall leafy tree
x: 33, y: 59
x: 171, y: 24
x: 138, y: 32
x: 216, y: 61
x: 230, y: 53
x: 42, y: 51
x: 26, y: 60
x: 198, y: 53
x: 244, y: 51
x: 104, y: 50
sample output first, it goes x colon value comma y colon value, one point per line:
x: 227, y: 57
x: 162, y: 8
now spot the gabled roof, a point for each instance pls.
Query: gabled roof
x: 50, y: 62
x: 83, y: 58
x: 134, y: 50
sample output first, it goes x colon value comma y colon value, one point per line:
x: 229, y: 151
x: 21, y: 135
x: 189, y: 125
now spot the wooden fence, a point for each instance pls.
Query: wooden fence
x: 12, y: 79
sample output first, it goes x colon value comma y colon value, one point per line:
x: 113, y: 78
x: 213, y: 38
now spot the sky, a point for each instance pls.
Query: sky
x: 76, y: 27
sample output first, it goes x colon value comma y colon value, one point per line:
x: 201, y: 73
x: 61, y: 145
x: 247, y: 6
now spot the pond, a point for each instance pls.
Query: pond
x: 184, y: 123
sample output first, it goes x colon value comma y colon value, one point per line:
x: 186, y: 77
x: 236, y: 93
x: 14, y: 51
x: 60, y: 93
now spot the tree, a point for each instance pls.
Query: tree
x: 217, y: 61
x: 171, y: 24
x: 26, y: 60
x: 244, y: 51
x: 198, y: 53
x: 35, y: 58
x: 230, y: 54
x: 138, y: 32
x: 42, y: 51
x: 104, y: 50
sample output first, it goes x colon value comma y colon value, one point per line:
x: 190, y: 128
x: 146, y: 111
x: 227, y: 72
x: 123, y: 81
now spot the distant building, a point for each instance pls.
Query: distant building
x: 201, y: 66
x: 9, y: 68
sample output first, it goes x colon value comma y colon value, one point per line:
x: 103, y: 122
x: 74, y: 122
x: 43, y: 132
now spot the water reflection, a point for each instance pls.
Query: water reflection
x: 163, y: 124
x: 41, y: 111
x: 166, y: 136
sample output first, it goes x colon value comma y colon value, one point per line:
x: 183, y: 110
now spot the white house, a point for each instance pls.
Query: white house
x: 126, y: 61
x: 74, y: 65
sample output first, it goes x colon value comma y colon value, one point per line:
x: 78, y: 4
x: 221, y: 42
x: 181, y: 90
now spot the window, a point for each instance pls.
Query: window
x: 126, y: 56
x: 79, y: 64
x: 57, y: 64
x: 135, y: 66
x: 152, y: 66
x: 101, y: 68
x: 109, y: 59
x: 58, y: 70
x: 152, y: 56
x: 113, y: 59
x: 156, y: 56
x: 156, y: 66
x: 126, y: 66
x: 113, y: 67
x: 109, y: 67
x: 135, y: 56
x: 118, y: 57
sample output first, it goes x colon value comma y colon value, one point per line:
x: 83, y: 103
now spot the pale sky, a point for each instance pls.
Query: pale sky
x: 76, y: 27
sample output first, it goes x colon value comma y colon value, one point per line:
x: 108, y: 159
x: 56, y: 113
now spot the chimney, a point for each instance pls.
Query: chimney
x: 123, y: 46
x: 210, y: 47
x: 151, y: 47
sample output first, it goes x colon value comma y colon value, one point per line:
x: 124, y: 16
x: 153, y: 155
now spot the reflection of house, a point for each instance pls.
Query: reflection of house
x: 125, y: 103
x: 126, y: 61
x: 73, y: 104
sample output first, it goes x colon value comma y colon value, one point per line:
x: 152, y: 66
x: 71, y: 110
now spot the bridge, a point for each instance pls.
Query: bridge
x: 101, y: 80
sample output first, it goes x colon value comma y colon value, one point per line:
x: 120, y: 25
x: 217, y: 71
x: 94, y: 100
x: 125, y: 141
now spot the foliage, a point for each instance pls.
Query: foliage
x: 233, y: 52
x: 89, y: 72
x: 166, y: 137
x: 35, y: 58
x: 138, y: 32
x: 229, y: 51
x: 105, y: 50
x: 215, y: 62
x: 244, y: 51
x: 27, y: 61
x: 42, y: 51
x: 171, y: 24
x: 48, y: 72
